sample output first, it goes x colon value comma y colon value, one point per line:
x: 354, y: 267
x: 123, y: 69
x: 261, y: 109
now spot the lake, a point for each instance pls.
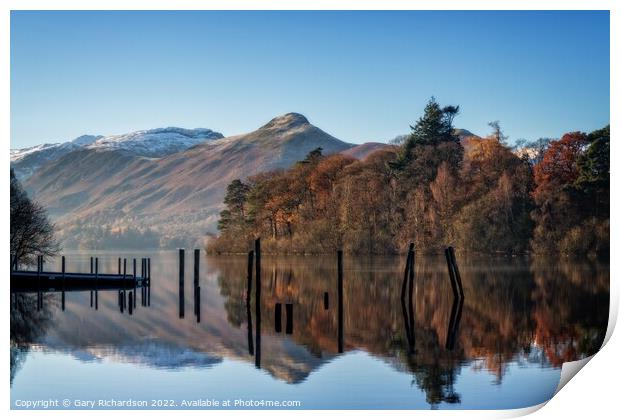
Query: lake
x: 502, y: 348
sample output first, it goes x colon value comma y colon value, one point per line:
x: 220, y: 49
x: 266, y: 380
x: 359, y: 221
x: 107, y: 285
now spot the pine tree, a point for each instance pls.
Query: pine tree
x: 433, y: 128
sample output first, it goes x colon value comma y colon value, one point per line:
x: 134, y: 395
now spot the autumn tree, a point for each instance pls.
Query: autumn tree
x: 572, y: 195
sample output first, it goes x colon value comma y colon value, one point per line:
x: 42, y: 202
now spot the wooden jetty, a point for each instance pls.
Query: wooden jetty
x: 24, y: 281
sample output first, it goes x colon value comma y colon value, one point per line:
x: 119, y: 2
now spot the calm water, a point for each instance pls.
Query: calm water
x: 503, y: 348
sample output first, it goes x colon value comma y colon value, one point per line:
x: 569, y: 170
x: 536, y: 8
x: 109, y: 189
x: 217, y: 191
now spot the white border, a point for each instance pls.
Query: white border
x: 592, y: 393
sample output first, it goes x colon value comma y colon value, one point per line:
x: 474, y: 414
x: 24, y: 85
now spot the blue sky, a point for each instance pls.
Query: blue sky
x: 361, y: 76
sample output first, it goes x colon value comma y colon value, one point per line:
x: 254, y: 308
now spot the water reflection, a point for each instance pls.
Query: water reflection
x: 532, y: 312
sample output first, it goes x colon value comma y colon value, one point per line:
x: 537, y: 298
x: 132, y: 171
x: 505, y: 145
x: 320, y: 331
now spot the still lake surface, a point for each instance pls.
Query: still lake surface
x: 503, y: 348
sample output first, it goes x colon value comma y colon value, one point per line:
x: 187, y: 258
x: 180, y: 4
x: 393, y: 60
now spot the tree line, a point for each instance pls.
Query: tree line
x: 435, y: 189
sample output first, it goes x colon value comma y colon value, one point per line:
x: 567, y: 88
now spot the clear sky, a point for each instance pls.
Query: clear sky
x: 360, y: 76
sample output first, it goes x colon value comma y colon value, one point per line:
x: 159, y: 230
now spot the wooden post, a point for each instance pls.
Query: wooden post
x: 325, y: 301
x: 403, y: 290
x: 143, y: 282
x: 278, y: 318
x: 249, y: 277
x: 148, y: 291
x: 62, y: 297
x: 135, y: 282
x: 91, y: 289
x: 257, y: 302
x: 457, y: 273
x: 181, y: 283
x: 289, y: 318
x: 340, y: 304
x: 39, y: 269
x: 196, y: 279
x: 248, y: 298
x: 96, y: 283
x: 119, y: 266
x: 451, y: 274
x: 198, y: 305
x: 411, y: 278
x: 130, y: 303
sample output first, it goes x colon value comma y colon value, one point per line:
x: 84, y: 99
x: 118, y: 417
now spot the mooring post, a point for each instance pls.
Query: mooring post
x: 403, y: 290
x: 148, y: 291
x: 62, y: 297
x: 257, y: 302
x: 91, y: 288
x: 411, y: 278
x: 451, y: 273
x: 97, y: 284
x: 130, y: 303
x: 457, y: 273
x: 135, y: 282
x: 248, y: 298
x: 38, y: 282
x: 119, y: 266
x: 196, y: 279
x: 198, y: 305
x: 278, y: 318
x: 181, y: 283
x: 143, y: 282
x: 340, y: 304
x: 249, y: 277
x: 289, y: 318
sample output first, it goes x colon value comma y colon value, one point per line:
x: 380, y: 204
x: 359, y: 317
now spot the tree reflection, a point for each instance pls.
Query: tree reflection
x: 27, y: 325
x: 515, y: 311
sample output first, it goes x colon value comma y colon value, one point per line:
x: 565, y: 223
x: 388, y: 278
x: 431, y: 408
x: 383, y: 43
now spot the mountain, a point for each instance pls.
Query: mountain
x: 362, y: 151
x: 26, y: 161
x: 97, y: 193
x: 148, y: 143
x: 157, y: 142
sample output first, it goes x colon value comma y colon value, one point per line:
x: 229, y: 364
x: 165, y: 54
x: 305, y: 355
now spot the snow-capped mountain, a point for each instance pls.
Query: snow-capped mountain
x: 26, y: 161
x: 180, y: 194
x: 157, y: 142
x: 153, y: 143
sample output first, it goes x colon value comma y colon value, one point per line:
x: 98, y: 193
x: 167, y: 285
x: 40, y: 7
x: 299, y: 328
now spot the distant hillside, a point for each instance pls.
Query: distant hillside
x: 97, y: 193
x: 362, y: 151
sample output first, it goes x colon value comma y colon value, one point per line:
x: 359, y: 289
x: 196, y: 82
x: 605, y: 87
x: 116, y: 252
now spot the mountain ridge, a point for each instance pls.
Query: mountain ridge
x: 178, y: 195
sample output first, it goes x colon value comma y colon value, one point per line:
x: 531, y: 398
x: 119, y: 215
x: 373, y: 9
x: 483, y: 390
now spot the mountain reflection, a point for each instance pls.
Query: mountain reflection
x: 516, y: 310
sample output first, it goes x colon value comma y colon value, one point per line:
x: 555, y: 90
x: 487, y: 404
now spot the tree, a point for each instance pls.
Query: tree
x: 498, y: 134
x: 235, y: 199
x: 559, y: 165
x: 32, y: 234
x: 593, y: 180
x: 433, y: 128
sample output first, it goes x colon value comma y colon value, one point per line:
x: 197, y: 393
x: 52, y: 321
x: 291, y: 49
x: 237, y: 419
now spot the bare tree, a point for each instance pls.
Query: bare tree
x: 32, y: 233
